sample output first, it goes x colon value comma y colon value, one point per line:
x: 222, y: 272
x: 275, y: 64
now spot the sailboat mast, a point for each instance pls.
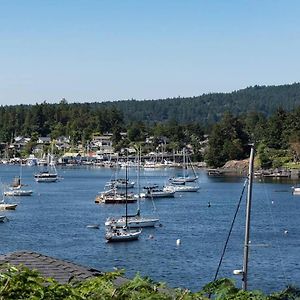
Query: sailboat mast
x: 126, y: 176
x: 138, y: 179
x: 247, y: 226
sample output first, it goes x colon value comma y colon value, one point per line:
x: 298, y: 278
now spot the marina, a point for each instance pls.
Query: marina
x: 182, y: 250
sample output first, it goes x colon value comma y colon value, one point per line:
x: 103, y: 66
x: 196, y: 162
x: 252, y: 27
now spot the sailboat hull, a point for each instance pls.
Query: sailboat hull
x: 122, y: 236
x: 135, y: 222
x: 18, y: 193
x: 46, y: 177
x: 8, y: 206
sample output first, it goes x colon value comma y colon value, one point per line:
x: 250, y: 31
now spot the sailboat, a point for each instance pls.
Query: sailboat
x: 48, y: 175
x: 15, y: 189
x: 124, y: 234
x: 181, y: 180
x: 134, y: 221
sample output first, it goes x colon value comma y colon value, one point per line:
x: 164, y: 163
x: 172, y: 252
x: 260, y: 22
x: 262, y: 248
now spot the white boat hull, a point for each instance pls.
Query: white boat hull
x: 186, y: 188
x: 135, y: 222
x: 8, y: 206
x: 18, y: 193
x: 46, y: 179
x: 296, y: 191
x: 122, y: 235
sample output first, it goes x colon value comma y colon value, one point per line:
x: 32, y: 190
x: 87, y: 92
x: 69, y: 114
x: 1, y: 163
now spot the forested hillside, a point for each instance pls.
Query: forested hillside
x: 209, y: 108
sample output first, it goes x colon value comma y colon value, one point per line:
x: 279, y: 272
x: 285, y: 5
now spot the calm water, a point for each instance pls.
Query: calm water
x: 53, y: 222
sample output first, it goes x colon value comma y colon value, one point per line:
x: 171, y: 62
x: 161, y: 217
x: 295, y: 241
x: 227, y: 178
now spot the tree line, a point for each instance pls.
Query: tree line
x: 277, y: 138
x: 275, y: 131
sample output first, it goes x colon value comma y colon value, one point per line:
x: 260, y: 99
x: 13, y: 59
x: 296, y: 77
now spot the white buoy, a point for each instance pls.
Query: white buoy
x: 150, y: 237
x: 237, y: 272
x: 272, y: 202
x: 286, y: 232
x: 178, y: 242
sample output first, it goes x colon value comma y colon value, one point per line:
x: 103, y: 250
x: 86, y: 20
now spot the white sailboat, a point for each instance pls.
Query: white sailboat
x: 7, y: 206
x: 124, y: 234
x: 16, y: 190
x: 178, y: 180
x: 48, y: 175
x: 137, y: 220
x: 155, y: 191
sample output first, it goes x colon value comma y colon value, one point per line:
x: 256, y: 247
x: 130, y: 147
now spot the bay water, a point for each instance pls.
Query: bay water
x: 53, y: 221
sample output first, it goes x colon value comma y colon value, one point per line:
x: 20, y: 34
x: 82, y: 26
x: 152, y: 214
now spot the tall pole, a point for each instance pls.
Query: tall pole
x: 247, y: 226
x: 126, y: 176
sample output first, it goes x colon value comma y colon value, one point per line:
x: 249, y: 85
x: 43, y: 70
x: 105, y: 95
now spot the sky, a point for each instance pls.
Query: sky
x: 108, y: 50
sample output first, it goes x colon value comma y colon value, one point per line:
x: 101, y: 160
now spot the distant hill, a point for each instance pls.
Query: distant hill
x: 208, y: 108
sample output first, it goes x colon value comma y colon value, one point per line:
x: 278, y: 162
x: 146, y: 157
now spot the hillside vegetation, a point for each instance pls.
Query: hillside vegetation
x: 209, y: 108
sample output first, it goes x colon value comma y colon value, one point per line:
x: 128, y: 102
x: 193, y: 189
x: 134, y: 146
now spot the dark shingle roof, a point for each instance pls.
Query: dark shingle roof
x: 62, y: 271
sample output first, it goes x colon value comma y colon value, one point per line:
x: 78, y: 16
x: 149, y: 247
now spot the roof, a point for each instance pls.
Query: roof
x: 62, y: 271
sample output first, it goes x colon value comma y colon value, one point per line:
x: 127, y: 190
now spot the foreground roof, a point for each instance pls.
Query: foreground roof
x: 62, y: 271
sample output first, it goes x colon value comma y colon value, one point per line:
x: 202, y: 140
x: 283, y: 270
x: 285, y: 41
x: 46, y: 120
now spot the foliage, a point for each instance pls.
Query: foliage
x: 22, y: 283
x: 228, y: 140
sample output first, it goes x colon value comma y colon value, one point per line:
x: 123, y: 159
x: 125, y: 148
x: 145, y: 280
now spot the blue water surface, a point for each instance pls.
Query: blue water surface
x: 53, y: 221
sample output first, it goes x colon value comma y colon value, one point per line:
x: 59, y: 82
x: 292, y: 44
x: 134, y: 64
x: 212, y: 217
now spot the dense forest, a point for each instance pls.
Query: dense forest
x: 208, y: 108
x: 267, y: 116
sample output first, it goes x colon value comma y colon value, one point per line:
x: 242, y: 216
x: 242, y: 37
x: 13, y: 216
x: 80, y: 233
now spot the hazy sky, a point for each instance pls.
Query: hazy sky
x: 94, y: 50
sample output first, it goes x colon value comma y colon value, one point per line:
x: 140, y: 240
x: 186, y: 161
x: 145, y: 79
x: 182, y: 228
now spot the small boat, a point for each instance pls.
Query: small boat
x: 93, y: 226
x: 186, y: 188
x: 135, y: 221
x: 16, y: 192
x: 46, y: 176
x: 124, y: 234
x: 8, y: 206
x: 155, y: 191
x: 296, y: 190
x: 112, y: 196
x: 120, y: 184
x: 185, y: 177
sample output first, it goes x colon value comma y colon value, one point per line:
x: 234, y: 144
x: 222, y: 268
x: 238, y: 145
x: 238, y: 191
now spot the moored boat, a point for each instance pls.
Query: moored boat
x: 155, y: 191
x: 121, y: 234
x: 112, y: 196
x: 124, y: 234
x: 8, y: 206
x: 46, y: 176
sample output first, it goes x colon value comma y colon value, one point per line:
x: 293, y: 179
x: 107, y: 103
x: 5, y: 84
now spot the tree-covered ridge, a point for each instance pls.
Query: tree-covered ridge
x: 78, y: 121
x: 208, y: 108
